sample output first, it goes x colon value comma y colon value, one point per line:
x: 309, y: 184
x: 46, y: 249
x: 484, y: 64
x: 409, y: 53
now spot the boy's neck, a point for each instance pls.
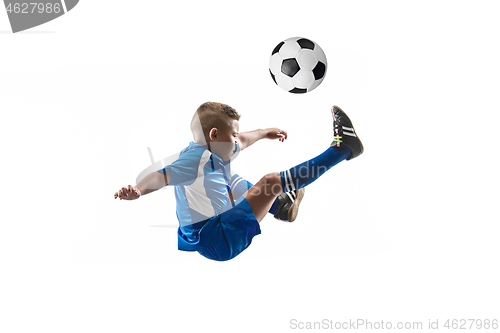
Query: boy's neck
x: 202, y: 143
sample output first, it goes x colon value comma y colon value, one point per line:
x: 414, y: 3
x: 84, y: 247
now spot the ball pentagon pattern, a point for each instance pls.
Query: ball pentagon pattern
x: 297, y: 65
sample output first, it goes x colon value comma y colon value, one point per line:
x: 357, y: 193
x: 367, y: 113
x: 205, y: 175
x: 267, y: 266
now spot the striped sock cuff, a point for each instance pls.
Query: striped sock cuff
x: 287, y: 183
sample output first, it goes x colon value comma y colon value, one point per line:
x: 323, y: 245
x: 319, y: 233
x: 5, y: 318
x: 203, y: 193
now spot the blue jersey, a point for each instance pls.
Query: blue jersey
x: 201, y: 181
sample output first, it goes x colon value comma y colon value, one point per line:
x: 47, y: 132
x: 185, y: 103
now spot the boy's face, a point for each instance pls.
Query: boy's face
x: 224, y: 141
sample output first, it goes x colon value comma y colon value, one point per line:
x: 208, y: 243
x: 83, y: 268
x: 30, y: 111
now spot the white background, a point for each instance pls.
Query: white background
x: 406, y: 232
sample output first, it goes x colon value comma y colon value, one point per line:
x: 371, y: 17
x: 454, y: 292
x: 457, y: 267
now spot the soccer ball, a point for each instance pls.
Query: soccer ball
x: 298, y: 65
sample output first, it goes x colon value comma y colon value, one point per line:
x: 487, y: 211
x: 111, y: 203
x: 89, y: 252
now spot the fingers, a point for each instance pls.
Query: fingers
x: 121, y: 193
x: 282, y: 135
x: 126, y: 192
x: 134, y: 190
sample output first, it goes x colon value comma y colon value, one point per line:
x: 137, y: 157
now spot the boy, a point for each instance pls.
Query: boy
x: 219, y: 212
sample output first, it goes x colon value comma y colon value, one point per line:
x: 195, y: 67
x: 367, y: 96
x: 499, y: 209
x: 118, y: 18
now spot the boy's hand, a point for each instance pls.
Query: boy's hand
x: 128, y: 193
x: 276, y: 133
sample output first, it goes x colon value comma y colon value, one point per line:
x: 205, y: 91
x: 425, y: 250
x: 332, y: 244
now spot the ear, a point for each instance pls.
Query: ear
x: 213, y: 134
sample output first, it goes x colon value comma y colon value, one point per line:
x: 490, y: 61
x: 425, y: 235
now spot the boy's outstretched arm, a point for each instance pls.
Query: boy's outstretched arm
x: 249, y: 138
x: 152, y: 182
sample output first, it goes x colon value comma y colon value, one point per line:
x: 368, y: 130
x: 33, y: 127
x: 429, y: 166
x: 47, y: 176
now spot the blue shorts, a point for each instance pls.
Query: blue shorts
x: 233, y: 232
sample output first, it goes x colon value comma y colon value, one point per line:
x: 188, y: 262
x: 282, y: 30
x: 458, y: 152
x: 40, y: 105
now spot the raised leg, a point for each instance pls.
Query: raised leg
x: 262, y: 195
x: 345, y: 145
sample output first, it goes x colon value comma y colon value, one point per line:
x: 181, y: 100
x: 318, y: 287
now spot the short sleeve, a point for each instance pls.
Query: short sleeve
x: 184, y: 170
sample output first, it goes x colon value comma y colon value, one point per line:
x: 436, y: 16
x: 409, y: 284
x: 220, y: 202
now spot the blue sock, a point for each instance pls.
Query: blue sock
x: 307, y: 172
x: 239, y: 186
x: 274, y: 207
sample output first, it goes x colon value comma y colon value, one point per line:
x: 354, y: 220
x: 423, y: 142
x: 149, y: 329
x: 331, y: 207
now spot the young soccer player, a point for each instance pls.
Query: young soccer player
x: 218, y: 211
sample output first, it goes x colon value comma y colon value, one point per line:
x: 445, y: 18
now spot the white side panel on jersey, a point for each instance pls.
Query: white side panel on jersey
x: 195, y: 193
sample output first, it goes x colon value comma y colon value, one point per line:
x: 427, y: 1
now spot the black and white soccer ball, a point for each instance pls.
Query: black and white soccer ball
x: 298, y: 65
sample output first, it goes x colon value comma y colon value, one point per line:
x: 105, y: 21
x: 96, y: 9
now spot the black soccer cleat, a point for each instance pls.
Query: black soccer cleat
x: 344, y: 133
x: 288, y: 205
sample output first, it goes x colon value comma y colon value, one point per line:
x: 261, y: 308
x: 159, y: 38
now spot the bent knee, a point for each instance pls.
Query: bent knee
x: 273, y: 178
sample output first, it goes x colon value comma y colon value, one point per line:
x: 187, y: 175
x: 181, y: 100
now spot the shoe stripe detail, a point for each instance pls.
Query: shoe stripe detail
x: 291, y: 198
x: 292, y: 187
x: 350, y: 134
x: 348, y: 131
